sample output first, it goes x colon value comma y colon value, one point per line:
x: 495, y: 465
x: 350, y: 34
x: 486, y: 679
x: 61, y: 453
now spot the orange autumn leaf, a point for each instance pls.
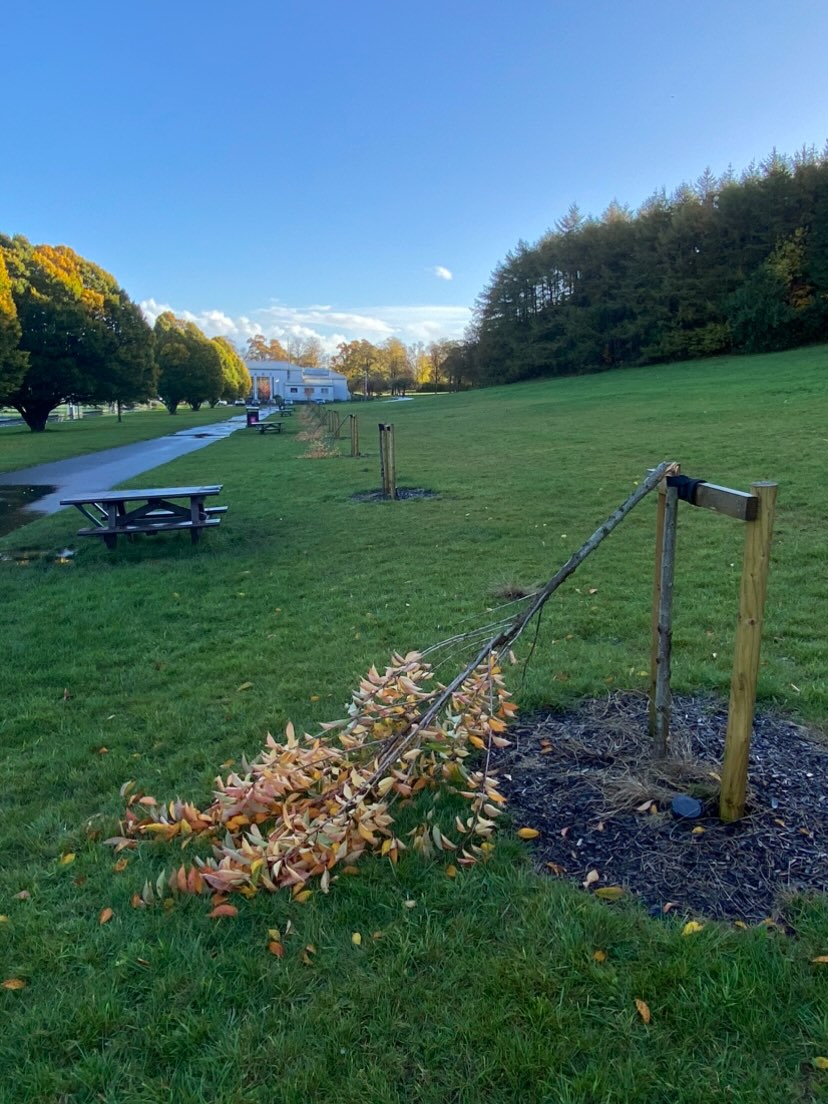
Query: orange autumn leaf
x: 105, y: 915
x: 14, y: 983
x: 276, y: 948
x: 599, y: 956
x: 120, y: 866
x: 643, y: 1010
x: 223, y: 910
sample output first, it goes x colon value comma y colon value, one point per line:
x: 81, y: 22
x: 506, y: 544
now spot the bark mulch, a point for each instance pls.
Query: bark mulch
x: 585, y: 780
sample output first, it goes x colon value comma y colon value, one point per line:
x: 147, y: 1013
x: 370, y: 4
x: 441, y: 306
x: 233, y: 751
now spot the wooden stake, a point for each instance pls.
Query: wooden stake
x: 383, y: 476
x: 659, y: 552
x: 391, y: 457
x: 661, y: 701
x: 753, y: 591
x: 354, y: 434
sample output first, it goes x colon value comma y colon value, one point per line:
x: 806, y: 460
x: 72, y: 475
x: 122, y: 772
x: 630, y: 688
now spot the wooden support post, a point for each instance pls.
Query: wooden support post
x: 383, y: 479
x: 354, y: 434
x: 391, y: 462
x: 754, y: 587
x: 662, y: 622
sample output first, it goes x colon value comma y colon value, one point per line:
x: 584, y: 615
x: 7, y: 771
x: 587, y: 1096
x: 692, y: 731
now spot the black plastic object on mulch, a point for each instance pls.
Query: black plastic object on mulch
x: 585, y: 779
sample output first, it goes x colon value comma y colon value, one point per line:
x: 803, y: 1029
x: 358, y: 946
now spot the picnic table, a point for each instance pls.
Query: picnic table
x: 266, y: 427
x: 117, y: 513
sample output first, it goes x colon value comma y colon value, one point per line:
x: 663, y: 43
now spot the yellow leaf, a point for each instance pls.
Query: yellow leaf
x: 691, y: 927
x: 244, y: 686
x: 821, y: 1063
x: 609, y: 893
x: 105, y: 916
x: 528, y: 833
x: 451, y: 871
x: 599, y: 956
x: 4, y: 919
x: 643, y: 1010
x: 356, y: 939
x: 475, y: 741
x: 69, y: 857
x: 743, y: 927
x: 303, y: 896
x: 14, y: 983
x: 820, y: 958
x: 591, y: 879
x: 697, y: 831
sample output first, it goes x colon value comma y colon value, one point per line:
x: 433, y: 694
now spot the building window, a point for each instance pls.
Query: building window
x: 294, y: 390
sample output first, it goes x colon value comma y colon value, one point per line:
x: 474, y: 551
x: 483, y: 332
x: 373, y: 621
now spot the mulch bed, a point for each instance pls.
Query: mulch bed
x: 402, y: 495
x: 585, y: 780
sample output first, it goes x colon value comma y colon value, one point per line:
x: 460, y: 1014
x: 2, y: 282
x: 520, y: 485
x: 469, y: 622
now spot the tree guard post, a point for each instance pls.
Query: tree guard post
x: 662, y: 620
x: 753, y: 591
x: 387, y: 461
x: 354, y: 424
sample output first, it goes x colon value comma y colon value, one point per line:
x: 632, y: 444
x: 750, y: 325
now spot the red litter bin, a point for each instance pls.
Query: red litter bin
x: 252, y: 417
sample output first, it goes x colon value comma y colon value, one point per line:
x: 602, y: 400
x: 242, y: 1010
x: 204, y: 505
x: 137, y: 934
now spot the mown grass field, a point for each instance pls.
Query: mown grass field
x: 128, y: 666
x: 20, y: 448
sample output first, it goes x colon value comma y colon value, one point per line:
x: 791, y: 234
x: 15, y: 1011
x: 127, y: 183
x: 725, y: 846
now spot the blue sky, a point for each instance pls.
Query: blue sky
x: 290, y: 167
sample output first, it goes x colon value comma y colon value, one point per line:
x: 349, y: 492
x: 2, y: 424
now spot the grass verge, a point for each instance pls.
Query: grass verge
x: 485, y: 986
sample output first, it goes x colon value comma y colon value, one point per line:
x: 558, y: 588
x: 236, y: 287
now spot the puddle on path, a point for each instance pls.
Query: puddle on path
x: 13, y: 503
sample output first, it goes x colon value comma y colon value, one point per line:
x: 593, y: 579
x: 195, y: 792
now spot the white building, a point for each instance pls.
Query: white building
x: 293, y: 383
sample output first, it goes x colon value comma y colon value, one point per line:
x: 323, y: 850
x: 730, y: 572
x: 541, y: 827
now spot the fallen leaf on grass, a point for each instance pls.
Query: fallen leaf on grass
x: 303, y: 896
x: 528, y: 833
x: 821, y: 1063
x: 14, y: 983
x: 23, y: 895
x: 105, y: 915
x: 223, y: 910
x: 410, y: 904
x: 451, y: 871
x: 244, y: 686
x: 691, y: 927
x: 306, y: 955
x: 69, y: 857
x: 610, y: 893
x: 120, y: 866
x: 276, y: 948
x: 643, y: 1010
x: 820, y: 959
x: 356, y: 939
x: 599, y: 956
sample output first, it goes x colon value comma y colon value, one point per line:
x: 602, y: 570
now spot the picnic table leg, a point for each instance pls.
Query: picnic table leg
x: 111, y: 540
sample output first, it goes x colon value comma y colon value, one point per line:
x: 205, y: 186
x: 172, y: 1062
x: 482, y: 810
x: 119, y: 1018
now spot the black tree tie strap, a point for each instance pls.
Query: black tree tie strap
x: 685, y: 486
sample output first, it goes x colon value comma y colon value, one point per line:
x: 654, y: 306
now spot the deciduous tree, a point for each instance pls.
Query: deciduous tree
x: 189, y: 364
x: 84, y: 338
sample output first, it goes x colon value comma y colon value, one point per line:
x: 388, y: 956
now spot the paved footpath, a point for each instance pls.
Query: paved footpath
x: 103, y: 471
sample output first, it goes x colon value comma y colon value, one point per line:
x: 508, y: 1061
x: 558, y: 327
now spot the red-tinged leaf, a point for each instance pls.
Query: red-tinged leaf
x: 195, y: 882
x: 14, y: 983
x: 120, y: 866
x: 276, y: 949
x: 643, y: 1010
x: 147, y: 800
x: 223, y: 910
x: 137, y: 901
x: 105, y: 915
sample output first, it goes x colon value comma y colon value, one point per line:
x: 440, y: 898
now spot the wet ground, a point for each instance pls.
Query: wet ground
x: 28, y: 493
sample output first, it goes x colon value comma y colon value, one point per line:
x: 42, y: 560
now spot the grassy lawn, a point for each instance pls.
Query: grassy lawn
x: 484, y: 987
x: 20, y: 448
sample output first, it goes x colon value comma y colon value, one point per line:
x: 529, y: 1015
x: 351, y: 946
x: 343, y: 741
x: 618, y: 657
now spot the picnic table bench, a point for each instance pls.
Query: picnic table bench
x: 266, y: 427
x: 117, y: 513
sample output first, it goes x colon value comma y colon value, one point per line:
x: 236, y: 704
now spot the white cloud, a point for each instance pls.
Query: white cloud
x: 331, y: 327
x: 443, y: 273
